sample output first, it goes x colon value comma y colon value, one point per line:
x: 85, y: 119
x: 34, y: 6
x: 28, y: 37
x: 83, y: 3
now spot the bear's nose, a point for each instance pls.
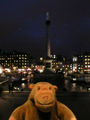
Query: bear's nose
x: 45, y: 98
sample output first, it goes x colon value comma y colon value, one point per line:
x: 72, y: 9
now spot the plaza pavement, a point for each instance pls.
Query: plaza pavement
x: 78, y: 102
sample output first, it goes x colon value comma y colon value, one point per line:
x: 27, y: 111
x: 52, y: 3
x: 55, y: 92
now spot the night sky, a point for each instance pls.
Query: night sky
x: 22, y: 26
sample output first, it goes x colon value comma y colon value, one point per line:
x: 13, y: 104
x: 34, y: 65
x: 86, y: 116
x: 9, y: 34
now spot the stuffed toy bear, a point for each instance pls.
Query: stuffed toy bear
x: 42, y: 105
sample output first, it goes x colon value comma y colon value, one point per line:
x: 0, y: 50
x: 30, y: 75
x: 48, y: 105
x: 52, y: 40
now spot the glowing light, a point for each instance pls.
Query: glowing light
x: 29, y: 69
x: 74, y: 59
x: 88, y: 88
x: 0, y: 70
x: 19, y: 70
x: 74, y: 79
x: 7, y: 69
x: 23, y: 85
x: 41, y: 59
x: 40, y: 70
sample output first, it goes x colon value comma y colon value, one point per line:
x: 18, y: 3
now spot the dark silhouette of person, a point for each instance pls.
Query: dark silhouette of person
x: 10, y: 86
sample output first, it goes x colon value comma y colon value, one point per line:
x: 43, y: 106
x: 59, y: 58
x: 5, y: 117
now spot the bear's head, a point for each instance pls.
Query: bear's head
x: 43, y: 95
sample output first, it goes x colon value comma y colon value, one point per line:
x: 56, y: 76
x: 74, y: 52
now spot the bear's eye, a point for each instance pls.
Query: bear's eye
x: 49, y: 88
x: 38, y: 88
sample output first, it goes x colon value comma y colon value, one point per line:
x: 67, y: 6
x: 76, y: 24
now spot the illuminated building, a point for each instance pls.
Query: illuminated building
x: 75, y: 63
x: 78, y: 63
x: 15, y: 59
x: 87, y: 62
x: 67, y: 65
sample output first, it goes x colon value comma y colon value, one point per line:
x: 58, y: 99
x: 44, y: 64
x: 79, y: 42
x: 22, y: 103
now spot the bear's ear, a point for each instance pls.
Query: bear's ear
x: 55, y: 87
x: 31, y: 86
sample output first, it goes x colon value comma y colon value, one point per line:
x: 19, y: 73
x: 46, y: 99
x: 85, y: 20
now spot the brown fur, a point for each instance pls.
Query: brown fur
x: 42, y: 105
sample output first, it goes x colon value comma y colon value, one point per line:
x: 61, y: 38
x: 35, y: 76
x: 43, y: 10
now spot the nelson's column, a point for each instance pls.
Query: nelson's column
x: 48, y: 60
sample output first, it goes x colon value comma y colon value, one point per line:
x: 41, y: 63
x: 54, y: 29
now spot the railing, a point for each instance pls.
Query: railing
x: 3, y: 81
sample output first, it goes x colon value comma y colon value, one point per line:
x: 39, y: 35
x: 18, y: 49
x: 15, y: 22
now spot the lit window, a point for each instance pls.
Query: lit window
x: 54, y: 56
x: 22, y: 60
x: 88, y: 66
x: 70, y: 65
x: 63, y: 59
x: 85, y: 66
x: 74, y: 65
x: 85, y: 59
x: 19, y: 57
x: 74, y: 59
x: 85, y: 62
x: 67, y: 65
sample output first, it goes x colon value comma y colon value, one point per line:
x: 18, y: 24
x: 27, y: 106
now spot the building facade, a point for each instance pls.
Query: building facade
x: 15, y: 59
x: 87, y: 62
